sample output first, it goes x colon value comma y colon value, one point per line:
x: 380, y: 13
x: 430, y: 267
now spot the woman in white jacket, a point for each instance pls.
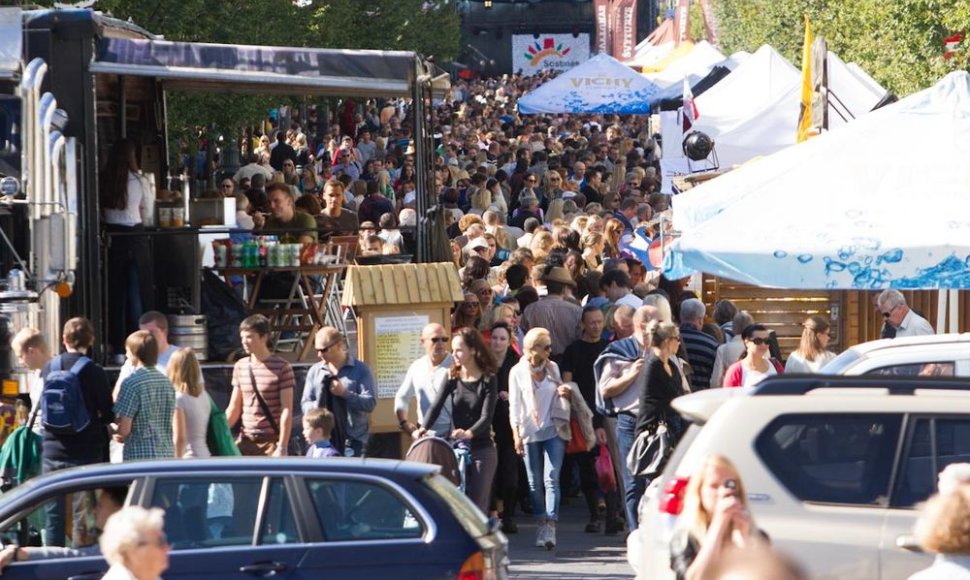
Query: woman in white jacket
x: 538, y: 403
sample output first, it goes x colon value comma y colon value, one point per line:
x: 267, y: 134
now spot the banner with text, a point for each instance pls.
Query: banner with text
x: 601, y: 14
x: 624, y: 33
x: 556, y: 51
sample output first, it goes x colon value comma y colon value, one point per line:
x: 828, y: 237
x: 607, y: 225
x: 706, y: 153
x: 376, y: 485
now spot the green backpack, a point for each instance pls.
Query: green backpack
x: 218, y: 436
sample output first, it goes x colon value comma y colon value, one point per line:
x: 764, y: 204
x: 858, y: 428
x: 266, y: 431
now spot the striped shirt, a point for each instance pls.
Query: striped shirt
x: 701, y: 351
x: 273, y: 376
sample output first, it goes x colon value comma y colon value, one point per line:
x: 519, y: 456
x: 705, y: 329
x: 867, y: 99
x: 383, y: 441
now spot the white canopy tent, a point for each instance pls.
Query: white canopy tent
x: 754, y: 111
x: 880, y: 203
x: 698, y: 62
x: 602, y: 84
x: 651, y: 54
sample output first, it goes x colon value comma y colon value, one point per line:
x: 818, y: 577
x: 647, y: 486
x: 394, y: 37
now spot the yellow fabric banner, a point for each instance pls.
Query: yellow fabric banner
x: 805, y: 111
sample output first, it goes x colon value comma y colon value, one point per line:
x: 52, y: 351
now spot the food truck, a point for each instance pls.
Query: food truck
x: 74, y: 81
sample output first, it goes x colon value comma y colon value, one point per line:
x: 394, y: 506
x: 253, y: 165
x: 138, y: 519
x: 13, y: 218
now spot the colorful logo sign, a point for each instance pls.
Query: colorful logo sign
x: 531, y: 54
x: 537, y: 52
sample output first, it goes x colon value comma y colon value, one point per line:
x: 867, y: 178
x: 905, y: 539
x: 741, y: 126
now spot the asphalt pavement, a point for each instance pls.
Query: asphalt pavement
x: 576, y: 555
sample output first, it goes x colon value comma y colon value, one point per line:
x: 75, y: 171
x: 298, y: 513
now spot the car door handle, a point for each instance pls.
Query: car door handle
x: 87, y: 576
x: 908, y: 543
x: 263, y: 569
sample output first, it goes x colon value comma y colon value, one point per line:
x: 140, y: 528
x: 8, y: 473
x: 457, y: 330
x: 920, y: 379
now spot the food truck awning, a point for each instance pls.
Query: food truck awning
x: 262, y: 69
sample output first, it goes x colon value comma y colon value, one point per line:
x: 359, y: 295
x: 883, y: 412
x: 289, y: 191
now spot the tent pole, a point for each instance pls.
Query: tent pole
x: 954, y: 311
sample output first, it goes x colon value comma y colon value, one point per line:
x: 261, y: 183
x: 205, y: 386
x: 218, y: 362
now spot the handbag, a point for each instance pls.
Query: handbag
x: 577, y: 443
x: 218, y: 436
x: 650, y: 451
x: 294, y: 447
x: 605, y: 474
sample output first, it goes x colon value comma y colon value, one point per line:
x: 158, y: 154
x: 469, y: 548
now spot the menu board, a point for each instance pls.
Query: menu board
x: 397, y: 345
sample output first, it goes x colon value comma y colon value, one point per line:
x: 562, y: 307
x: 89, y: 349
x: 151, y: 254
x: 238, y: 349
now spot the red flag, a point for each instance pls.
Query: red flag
x: 601, y: 10
x: 624, y: 29
x: 691, y: 113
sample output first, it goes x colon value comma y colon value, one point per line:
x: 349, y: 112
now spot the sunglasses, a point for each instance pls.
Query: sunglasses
x: 471, y: 304
x: 439, y: 339
x: 758, y: 341
x: 890, y: 312
x: 325, y: 349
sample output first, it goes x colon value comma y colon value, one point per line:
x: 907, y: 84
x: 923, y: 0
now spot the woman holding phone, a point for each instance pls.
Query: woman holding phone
x: 715, y: 518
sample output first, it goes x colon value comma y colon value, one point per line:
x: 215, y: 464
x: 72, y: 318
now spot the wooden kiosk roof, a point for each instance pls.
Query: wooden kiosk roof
x: 402, y: 284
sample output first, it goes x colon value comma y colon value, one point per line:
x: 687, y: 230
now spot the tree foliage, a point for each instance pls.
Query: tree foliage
x: 430, y: 28
x: 899, y: 43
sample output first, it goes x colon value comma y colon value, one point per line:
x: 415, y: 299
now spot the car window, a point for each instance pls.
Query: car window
x: 68, y: 520
x: 208, y: 512
x: 839, y: 364
x: 832, y: 458
x: 934, y: 443
x: 279, y: 525
x: 360, y: 511
x: 469, y: 516
x: 926, y: 369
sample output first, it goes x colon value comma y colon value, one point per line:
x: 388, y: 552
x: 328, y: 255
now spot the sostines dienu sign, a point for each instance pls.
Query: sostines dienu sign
x: 556, y: 51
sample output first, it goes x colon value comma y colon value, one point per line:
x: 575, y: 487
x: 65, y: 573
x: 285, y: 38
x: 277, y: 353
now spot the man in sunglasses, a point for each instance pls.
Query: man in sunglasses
x: 343, y: 385
x: 424, y: 378
x: 897, y: 314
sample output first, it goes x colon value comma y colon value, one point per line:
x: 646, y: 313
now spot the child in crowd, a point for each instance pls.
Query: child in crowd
x: 317, y: 426
x: 243, y: 219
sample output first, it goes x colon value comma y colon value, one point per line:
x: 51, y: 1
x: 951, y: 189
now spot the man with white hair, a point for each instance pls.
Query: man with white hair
x: 892, y: 304
x: 701, y: 347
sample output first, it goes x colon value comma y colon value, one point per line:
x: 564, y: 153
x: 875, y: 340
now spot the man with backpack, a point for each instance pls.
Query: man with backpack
x: 76, y: 409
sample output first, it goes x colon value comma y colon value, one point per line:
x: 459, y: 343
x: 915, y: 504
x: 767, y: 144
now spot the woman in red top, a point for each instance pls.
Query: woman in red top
x: 756, y: 364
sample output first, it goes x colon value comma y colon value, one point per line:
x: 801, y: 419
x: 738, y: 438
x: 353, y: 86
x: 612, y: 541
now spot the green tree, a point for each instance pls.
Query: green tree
x: 899, y: 43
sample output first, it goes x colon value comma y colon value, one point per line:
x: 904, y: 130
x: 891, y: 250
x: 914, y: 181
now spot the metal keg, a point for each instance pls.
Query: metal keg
x: 189, y: 331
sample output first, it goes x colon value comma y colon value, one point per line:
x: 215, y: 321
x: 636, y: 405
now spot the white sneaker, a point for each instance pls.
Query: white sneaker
x: 541, y: 534
x: 550, y: 535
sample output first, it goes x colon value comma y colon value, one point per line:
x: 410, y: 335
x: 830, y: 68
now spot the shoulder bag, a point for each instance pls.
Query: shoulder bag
x: 218, y: 436
x: 294, y: 446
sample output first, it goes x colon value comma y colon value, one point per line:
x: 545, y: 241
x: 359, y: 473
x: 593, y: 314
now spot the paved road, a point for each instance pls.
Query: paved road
x: 577, y: 555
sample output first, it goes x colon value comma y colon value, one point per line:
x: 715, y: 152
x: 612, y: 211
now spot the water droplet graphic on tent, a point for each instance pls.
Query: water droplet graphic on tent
x: 833, y: 266
x: 846, y: 252
x: 891, y: 257
x: 805, y: 258
x: 781, y: 254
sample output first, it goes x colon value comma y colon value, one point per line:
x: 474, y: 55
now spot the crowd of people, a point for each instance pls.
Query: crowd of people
x: 568, y: 345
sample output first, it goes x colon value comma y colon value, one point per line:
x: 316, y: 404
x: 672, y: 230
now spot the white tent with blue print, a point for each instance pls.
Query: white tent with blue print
x: 883, y: 202
x: 601, y: 85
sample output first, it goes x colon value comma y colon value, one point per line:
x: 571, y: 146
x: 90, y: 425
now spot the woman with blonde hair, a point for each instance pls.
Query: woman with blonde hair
x: 715, y: 518
x: 190, y: 421
x: 613, y: 232
x: 551, y: 188
x: 593, y: 246
x: 542, y: 243
x: 538, y: 404
x: 555, y: 211
x: 480, y: 200
x: 384, y: 184
x: 811, y: 355
x: 134, y: 544
x: 943, y: 527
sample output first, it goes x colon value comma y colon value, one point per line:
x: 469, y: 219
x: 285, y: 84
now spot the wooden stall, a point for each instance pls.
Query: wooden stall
x: 851, y: 313
x: 393, y: 303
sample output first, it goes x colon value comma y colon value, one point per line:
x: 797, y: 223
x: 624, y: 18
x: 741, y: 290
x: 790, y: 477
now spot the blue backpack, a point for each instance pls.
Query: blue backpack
x: 63, y: 411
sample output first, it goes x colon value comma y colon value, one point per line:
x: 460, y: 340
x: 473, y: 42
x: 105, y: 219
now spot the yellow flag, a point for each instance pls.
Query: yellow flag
x: 805, y: 111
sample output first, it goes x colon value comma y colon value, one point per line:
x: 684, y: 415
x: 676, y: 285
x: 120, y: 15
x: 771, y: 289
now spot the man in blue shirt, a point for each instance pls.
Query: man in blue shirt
x: 344, y: 386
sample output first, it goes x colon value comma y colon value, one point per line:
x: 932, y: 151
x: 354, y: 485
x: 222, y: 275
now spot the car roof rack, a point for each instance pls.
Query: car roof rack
x: 799, y: 384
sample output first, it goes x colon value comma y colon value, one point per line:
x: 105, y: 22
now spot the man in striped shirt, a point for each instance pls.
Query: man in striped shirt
x: 262, y: 393
x: 701, y: 347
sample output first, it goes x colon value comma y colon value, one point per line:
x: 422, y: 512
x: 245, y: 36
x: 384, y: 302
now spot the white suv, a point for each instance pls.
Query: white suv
x: 938, y: 354
x: 833, y: 467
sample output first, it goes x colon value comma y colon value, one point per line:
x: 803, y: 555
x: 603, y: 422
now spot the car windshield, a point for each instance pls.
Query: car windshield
x: 463, y: 509
x: 841, y: 363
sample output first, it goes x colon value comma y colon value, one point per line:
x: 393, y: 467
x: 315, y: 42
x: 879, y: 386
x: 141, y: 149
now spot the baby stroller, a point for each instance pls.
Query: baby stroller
x: 453, y: 459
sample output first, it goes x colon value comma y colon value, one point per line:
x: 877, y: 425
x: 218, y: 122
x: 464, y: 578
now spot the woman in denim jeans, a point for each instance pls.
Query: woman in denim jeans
x: 535, y: 386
